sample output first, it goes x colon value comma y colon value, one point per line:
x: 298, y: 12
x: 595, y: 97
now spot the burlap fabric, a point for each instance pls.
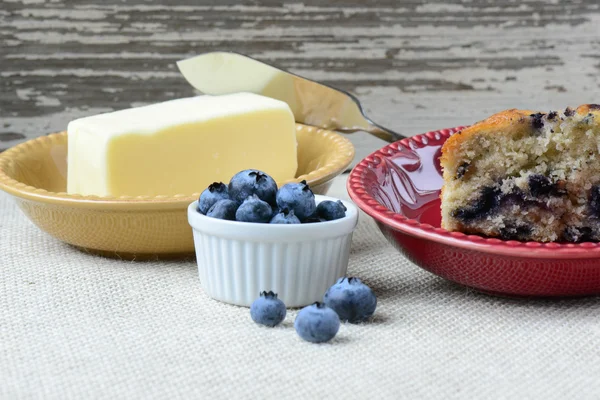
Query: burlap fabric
x: 75, y: 326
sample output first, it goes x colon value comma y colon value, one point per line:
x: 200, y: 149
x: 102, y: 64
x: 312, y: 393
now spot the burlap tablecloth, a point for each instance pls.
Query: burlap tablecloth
x: 78, y: 326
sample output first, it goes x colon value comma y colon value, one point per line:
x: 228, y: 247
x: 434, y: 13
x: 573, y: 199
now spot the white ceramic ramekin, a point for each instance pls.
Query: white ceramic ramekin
x: 238, y: 260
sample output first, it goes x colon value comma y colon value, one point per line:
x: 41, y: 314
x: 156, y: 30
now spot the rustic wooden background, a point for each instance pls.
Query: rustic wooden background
x: 417, y: 65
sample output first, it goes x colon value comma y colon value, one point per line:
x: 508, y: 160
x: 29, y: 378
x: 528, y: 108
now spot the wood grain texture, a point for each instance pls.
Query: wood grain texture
x: 416, y: 65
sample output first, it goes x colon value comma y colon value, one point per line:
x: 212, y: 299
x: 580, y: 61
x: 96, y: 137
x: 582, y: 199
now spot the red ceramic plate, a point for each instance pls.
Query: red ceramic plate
x: 399, y: 187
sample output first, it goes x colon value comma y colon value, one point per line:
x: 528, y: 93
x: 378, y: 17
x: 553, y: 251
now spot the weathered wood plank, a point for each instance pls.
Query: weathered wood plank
x: 416, y: 65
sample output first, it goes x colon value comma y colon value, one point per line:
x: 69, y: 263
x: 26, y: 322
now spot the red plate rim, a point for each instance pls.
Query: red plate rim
x: 367, y: 203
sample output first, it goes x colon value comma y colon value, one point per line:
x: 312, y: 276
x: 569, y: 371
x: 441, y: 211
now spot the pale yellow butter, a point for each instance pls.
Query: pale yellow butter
x: 180, y: 146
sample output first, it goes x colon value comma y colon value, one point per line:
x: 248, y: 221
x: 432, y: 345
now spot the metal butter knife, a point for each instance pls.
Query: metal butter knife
x: 311, y: 102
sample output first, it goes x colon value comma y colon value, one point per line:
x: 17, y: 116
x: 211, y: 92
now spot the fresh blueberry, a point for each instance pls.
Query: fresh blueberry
x: 254, y: 209
x: 297, y: 197
x: 330, y: 210
x: 223, y: 209
x: 351, y: 299
x: 268, y: 309
x: 252, y: 181
x: 317, y: 323
x: 285, y: 216
x: 215, y: 192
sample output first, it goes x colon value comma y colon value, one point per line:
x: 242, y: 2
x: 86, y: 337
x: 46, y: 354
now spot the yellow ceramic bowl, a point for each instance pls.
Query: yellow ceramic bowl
x: 141, y: 227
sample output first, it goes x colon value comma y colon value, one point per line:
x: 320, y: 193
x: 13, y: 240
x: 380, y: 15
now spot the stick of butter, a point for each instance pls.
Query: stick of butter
x: 180, y: 146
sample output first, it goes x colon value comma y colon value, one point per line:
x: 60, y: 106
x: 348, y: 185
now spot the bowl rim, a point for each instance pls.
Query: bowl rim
x: 342, y: 158
x: 535, y: 250
x: 256, y: 232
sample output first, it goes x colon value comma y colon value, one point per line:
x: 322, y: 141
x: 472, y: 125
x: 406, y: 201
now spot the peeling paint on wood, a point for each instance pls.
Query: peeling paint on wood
x: 416, y: 65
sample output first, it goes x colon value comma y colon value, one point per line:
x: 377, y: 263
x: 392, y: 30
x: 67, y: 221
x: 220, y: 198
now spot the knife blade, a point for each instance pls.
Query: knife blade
x: 312, y: 103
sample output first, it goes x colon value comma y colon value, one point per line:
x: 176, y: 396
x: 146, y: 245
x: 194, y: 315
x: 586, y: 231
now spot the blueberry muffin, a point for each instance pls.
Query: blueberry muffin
x: 525, y: 175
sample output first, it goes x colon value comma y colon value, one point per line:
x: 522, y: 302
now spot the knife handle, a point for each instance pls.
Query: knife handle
x: 383, y: 133
x: 374, y: 129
